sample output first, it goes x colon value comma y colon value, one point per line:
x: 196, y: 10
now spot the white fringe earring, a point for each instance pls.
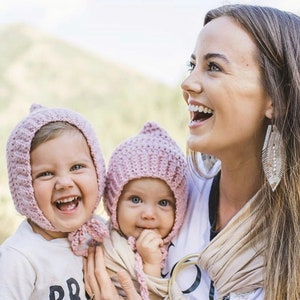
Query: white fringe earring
x: 273, y: 156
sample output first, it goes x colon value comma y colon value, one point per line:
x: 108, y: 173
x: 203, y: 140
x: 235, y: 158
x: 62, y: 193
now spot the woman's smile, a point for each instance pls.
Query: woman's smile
x: 199, y: 113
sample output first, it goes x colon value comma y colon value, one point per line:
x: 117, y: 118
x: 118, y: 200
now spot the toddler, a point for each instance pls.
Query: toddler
x: 56, y: 176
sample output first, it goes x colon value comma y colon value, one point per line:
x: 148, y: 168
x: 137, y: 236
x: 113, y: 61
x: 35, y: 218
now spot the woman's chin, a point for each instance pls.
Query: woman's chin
x: 193, y: 143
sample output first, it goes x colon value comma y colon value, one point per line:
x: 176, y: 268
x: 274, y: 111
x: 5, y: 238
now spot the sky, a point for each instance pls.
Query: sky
x: 153, y: 37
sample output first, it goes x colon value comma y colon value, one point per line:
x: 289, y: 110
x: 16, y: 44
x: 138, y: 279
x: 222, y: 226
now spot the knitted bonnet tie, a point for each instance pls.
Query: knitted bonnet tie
x: 151, y: 153
x: 18, y: 158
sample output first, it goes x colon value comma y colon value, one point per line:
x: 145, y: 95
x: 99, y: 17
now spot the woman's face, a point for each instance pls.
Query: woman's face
x: 227, y: 102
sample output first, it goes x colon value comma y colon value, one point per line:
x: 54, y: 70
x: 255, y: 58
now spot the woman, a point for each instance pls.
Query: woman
x: 243, y: 94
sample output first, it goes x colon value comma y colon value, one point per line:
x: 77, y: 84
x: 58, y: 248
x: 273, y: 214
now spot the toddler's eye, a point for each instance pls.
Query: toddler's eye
x: 44, y: 174
x: 76, y: 167
x: 135, y: 199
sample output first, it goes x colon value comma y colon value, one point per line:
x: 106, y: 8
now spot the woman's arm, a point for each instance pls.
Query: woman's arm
x: 98, y: 283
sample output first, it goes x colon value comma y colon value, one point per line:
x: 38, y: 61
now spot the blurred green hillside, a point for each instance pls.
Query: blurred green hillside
x: 36, y: 67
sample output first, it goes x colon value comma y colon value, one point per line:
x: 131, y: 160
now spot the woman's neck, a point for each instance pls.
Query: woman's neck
x: 237, y: 186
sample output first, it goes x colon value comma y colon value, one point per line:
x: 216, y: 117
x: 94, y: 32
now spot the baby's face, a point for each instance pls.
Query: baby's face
x: 146, y: 203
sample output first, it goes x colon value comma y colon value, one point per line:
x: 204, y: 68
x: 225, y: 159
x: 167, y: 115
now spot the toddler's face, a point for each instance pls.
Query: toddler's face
x: 64, y: 181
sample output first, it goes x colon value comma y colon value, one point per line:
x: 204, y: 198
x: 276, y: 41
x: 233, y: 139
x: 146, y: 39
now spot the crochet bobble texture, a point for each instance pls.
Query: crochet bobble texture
x: 151, y: 153
x: 18, y: 158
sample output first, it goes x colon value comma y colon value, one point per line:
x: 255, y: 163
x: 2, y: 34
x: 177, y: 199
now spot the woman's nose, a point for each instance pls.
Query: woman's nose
x: 191, y: 85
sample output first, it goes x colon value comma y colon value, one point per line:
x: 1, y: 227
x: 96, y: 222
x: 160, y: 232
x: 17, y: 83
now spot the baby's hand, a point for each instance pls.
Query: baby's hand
x: 149, y: 245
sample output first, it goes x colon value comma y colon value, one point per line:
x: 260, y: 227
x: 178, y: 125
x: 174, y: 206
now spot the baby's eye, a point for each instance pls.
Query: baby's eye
x: 164, y: 202
x: 135, y: 199
x: 213, y: 67
x: 76, y: 167
x: 190, y: 66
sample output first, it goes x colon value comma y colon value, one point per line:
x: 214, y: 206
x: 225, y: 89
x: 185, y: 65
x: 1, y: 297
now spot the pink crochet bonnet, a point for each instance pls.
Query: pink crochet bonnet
x: 151, y: 153
x: 18, y: 158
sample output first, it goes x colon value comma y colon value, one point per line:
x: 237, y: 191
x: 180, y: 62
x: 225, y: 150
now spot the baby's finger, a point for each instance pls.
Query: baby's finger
x: 149, y: 239
x: 148, y: 235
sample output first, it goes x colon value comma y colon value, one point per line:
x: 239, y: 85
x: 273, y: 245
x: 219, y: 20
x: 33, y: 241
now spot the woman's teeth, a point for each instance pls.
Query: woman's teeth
x: 200, y: 108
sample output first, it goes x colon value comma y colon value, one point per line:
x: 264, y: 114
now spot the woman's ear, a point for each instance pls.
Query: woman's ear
x: 269, y: 109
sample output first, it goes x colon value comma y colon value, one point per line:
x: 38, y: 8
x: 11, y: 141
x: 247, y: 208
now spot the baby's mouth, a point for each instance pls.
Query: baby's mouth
x: 200, y: 112
x: 67, y: 204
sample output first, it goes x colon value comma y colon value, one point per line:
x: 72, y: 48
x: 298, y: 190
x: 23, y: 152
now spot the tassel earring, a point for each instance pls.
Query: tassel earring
x: 273, y: 156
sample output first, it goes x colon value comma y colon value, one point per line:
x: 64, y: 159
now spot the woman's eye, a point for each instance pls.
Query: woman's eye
x: 213, y: 67
x: 190, y: 66
x: 135, y: 199
x: 76, y: 167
